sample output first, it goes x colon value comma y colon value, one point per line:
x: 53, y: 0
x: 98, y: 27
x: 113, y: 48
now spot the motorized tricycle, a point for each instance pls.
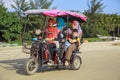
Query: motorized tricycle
x: 39, y: 49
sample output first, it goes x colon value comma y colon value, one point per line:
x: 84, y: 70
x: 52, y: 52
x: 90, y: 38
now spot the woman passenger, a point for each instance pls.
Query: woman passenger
x: 72, y: 47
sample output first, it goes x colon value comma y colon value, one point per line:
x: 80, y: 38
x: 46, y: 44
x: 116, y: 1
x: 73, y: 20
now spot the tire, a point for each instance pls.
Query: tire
x: 76, y: 63
x: 31, y: 66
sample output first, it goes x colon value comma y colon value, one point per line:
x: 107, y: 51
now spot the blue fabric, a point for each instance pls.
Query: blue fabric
x: 34, y: 39
x: 67, y: 44
x: 61, y: 23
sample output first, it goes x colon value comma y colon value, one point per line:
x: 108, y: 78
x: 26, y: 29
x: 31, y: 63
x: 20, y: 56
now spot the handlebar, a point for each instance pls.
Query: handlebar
x: 25, y: 46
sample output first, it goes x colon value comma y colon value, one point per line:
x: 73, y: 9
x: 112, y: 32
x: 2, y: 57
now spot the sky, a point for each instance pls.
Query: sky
x: 111, y: 6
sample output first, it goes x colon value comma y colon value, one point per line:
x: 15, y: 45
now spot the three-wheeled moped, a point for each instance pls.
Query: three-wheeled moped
x: 38, y: 48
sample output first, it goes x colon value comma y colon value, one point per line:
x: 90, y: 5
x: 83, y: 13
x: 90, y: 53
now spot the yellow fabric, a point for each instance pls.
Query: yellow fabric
x: 78, y: 39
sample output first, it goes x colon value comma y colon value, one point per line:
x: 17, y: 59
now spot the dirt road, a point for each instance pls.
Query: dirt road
x: 101, y: 61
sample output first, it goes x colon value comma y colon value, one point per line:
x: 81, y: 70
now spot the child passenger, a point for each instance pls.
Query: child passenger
x: 74, y: 38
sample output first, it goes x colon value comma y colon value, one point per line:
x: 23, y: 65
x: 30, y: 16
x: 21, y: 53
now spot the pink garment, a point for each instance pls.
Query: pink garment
x: 77, y: 27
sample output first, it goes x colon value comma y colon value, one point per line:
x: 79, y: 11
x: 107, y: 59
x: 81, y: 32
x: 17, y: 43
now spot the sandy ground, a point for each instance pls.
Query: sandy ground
x: 101, y: 61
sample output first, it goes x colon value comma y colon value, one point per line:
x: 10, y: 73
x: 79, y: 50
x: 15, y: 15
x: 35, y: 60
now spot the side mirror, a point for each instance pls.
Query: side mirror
x: 25, y: 49
x: 25, y: 45
x: 38, y: 32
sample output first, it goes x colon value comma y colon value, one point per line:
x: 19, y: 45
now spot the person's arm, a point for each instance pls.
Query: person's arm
x: 78, y: 39
x: 72, y: 40
x: 49, y: 39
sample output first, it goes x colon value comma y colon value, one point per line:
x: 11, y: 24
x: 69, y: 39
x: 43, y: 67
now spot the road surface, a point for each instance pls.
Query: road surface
x: 101, y: 61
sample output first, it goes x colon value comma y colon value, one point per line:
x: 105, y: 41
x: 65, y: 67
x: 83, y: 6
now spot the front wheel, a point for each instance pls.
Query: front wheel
x: 31, y: 66
x: 76, y: 62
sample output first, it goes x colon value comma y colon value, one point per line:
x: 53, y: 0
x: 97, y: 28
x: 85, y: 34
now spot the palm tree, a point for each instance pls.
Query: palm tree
x: 23, y: 5
x: 43, y: 4
x: 116, y: 23
x: 95, y: 8
x: 1, y: 3
x: 40, y: 4
x: 20, y: 6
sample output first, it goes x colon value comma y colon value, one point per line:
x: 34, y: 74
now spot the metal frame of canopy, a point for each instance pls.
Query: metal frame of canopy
x: 56, y: 13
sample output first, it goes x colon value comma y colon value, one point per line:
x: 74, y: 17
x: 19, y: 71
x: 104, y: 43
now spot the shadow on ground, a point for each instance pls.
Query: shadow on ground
x: 19, y: 66
x: 16, y: 64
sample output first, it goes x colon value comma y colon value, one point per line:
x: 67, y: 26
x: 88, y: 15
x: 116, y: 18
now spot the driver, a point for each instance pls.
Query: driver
x: 51, y: 30
x: 51, y: 33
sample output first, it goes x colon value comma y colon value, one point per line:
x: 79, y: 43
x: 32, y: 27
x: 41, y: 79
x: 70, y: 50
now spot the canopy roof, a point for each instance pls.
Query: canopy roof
x: 56, y: 13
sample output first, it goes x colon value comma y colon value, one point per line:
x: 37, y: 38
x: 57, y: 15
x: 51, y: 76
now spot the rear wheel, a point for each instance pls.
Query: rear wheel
x: 31, y: 66
x: 76, y: 63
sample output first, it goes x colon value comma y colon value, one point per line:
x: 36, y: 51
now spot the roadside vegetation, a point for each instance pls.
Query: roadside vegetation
x: 11, y: 23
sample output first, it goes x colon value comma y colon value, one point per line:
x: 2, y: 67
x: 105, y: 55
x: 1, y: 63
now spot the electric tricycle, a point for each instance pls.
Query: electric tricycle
x: 34, y: 42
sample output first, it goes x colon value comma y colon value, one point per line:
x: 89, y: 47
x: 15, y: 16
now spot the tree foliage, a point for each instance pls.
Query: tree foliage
x: 23, y: 5
x: 95, y: 7
x: 10, y: 28
x: 97, y: 22
x: 43, y: 4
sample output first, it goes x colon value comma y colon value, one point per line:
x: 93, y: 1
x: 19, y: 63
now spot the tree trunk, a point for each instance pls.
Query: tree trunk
x: 118, y: 31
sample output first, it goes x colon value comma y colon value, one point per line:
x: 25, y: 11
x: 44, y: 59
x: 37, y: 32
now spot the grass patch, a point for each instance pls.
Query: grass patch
x: 95, y: 39
x: 19, y: 42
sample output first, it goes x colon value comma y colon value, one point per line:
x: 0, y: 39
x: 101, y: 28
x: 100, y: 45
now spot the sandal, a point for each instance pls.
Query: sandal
x: 66, y: 62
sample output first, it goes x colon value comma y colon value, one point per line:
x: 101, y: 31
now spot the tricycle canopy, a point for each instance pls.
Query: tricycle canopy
x: 57, y: 13
x: 41, y: 24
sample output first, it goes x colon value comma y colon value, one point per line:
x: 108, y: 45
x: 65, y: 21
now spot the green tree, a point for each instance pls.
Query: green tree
x: 2, y: 12
x: 1, y: 3
x: 95, y: 8
x: 10, y: 28
x: 20, y: 6
x: 43, y: 4
x: 115, y: 24
x: 23, y: 5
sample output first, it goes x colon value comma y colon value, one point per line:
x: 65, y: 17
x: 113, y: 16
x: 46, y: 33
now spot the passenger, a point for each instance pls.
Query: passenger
x: 62, y: 29
x: 61, y: 23
x: 62, y: 37
x: 63, y: 34
x: 74, y: 38
x: 72, y: 47
x: 75, y: 24
x: 52, y: 32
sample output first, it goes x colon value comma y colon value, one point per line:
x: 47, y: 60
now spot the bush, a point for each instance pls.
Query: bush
x: 94, y: 39
x: 93, y: 31
x: 102, y: 31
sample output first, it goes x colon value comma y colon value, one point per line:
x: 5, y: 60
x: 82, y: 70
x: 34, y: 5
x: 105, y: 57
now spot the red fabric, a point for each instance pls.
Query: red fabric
x: 51, y: 32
